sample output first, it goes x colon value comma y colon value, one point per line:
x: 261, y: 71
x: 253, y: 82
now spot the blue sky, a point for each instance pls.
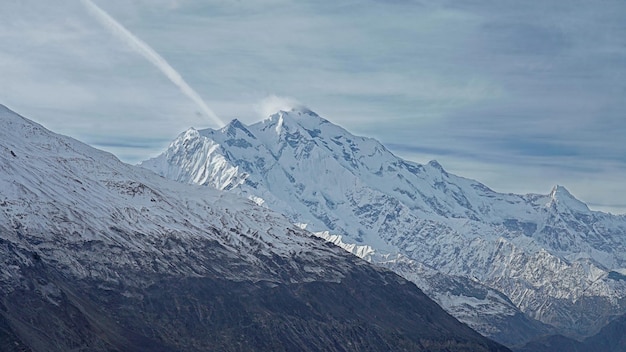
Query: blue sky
x: 518, y: 95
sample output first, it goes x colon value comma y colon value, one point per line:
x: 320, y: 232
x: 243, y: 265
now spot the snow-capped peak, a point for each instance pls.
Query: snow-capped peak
x: 560, y: 196
x: 190, y: 133
x: 234, y: 127
x: 559, y: 191
x: 293, y: 120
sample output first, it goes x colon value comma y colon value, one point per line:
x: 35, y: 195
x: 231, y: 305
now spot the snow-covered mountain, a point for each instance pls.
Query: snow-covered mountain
x: 553, y: 258
x: 99, y: 255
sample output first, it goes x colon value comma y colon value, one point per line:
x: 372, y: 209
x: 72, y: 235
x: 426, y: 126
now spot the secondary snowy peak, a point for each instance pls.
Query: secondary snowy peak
x: 561, y: 197
x: 236, y: 128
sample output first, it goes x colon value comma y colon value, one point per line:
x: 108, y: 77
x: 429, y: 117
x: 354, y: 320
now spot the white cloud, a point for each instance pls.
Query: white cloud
x: 152, y: 56
x: 272, y: 104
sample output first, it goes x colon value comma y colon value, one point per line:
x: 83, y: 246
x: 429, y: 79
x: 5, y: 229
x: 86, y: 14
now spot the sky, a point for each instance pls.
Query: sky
x: 520, y: 95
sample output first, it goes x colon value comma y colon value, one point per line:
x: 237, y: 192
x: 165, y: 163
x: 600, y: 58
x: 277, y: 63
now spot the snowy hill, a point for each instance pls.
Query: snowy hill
x: 549, y: 254
x: 99, y: 255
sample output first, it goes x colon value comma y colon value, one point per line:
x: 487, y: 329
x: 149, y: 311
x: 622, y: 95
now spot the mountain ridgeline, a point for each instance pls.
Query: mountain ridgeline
x: 514, y: 267
x: 98, y: 255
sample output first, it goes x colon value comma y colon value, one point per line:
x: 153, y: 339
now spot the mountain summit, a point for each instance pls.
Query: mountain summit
x: 560, y: 196
x: 549, y: 254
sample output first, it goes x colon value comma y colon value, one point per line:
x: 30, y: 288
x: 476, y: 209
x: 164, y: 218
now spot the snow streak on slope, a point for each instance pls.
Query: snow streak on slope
x: 549, y: 254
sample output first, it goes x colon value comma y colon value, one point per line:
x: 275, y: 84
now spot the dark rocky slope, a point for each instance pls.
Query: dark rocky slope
x: 611, y: 338
x: 368, y: 310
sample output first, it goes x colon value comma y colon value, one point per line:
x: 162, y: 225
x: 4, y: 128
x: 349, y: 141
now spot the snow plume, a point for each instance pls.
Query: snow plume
x: 147, y: 52
x: 273, y: 104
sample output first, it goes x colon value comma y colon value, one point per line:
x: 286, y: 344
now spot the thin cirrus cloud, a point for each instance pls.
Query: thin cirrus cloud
x: 495, y: 90
x: 152, y: 56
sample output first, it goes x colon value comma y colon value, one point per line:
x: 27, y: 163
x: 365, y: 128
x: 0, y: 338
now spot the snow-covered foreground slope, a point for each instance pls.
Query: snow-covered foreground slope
x: 555, y: 259
x: 98, y: 255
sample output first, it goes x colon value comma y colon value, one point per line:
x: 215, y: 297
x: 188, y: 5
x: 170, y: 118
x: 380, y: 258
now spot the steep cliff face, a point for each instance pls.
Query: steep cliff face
x: 549, y: 254
x: 98, y: 255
